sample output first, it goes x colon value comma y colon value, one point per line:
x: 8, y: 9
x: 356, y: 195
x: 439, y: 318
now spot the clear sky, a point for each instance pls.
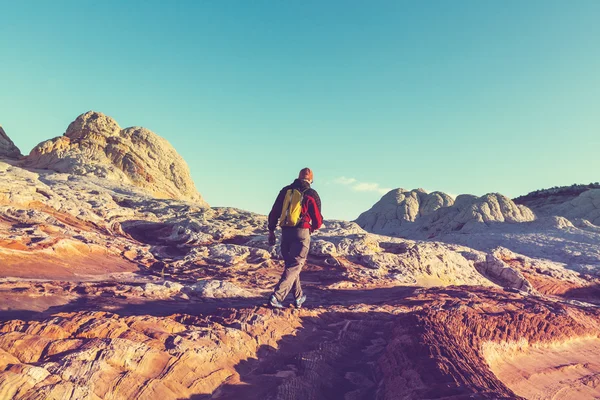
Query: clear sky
x: 459, y: 96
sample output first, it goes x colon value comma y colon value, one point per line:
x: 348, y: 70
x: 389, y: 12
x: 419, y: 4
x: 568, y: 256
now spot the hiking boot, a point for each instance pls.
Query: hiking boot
x: 273, y: 302
x: 298, y: 303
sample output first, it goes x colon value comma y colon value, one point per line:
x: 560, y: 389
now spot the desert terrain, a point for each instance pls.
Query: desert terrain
x: 119, y: 281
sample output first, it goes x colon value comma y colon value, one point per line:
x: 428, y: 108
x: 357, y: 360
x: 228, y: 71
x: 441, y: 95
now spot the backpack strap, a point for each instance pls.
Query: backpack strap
x: 301, y: 201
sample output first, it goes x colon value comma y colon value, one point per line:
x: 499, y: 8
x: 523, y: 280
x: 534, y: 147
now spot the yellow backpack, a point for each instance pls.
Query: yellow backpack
x: 292, y: 208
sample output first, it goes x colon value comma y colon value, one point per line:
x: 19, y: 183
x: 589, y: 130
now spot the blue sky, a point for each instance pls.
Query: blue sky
x: 458, y: 96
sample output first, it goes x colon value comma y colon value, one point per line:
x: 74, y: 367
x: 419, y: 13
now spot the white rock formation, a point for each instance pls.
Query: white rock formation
x: 417, y: 214
x: 503, y: 274
x: 399, y: 208
x: 472, y: 214
x: 7, y: 147
x: 95, y: 145
x: 585, y: 206
x: 491, y: 221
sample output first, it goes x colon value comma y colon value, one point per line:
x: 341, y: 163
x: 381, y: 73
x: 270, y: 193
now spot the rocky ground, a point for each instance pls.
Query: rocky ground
x: 108, y: 292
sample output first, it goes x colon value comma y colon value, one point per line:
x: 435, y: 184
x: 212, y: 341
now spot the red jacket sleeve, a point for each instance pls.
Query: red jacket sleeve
x: 316, y: 219
x: 276, y: 210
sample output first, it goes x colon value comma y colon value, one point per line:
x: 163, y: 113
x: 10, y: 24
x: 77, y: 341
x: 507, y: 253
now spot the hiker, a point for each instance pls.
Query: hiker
x: 298, y: 211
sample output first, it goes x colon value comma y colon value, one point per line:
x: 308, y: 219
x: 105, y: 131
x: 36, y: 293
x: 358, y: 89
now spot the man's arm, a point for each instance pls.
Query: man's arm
x: 317, y: 199
x: 314, y: 211
x: 276, y: 210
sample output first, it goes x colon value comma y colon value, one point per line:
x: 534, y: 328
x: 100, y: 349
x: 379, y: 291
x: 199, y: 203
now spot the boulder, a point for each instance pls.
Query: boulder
x: 503, y: 274
x: 95, y: 145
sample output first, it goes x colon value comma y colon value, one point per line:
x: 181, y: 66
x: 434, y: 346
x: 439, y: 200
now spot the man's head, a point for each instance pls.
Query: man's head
x: 306, y: 174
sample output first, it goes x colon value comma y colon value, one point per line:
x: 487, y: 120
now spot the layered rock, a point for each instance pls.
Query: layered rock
x: 95, y: 145
x: 96, y: 355
x: 7, y: 147
x: 385, y: 344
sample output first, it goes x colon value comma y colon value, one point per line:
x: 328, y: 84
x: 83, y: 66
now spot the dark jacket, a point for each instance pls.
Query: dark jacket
x: 311, y: 207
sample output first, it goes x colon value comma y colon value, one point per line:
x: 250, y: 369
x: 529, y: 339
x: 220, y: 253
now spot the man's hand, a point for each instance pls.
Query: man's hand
x: 272, y: 238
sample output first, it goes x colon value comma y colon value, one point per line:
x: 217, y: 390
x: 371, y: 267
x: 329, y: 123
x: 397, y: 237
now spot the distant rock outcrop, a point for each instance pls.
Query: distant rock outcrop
x: 578, y: 203
x: 417, y: 213
x: 586, y: 206
x: 399, y: 208
x: 95, y: 145
x: 7, y: 147
x: 471, y: 213
x: 544, y: 201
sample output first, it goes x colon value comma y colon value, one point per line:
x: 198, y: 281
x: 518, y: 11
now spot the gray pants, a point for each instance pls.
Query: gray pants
x: 295, y: 243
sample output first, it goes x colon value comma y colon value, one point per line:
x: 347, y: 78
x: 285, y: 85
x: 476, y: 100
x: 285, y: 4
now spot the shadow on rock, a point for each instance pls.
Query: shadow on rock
x: 590, y: 294
x: 358, y: 355
x: 205, y: 306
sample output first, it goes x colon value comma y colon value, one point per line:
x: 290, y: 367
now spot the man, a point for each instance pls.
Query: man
x: 295, y: 236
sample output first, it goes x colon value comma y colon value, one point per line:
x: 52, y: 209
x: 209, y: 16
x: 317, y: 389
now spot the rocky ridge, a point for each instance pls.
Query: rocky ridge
x: 578, y: 203
x: 95, y: 145
x: 420, y: 214
x: 110, y: 292
x: 539, y: 199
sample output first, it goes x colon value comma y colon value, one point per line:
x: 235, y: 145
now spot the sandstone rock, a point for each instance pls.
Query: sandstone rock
x: 502, y: 330
x: 545, y: 276
x: 188, y: 232
x: 381, y: 261
x: 430, y: 264
x: 204, y: 332
x: 218, y: 289
x: 322, y: 248
x: 227, y: 254
x: 95, y: 145
x: 167, y: 289
x: 544, y: 201
x: 356, y: 245
x: 399, y: 207
x: 434, y: 201
x: 498, y: 271
x: 554, y: 222
x: 471, y: 215
x: 585, y: 224
x: 419, y: 215
x: 464, y: 200
x: 7, y: 147
x: 337, y: 228
x: 399, y: 260
x: 105, y: 355
x: 179, y: 340
x: 572, y: 202
x: 585, y: 206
